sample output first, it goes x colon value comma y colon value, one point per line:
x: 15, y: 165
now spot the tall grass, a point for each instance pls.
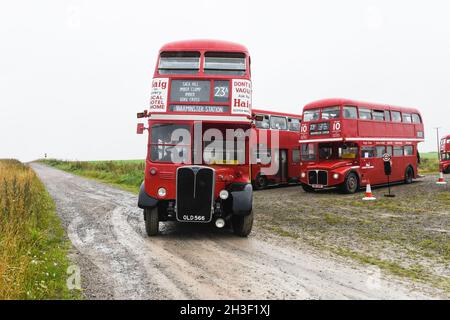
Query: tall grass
x: 429, y: 163
x: 127, y: 174
x: 33, y: 249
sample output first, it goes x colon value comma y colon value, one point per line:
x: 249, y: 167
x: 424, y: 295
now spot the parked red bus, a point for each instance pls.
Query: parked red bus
x: 286, y: 153
x: 197, y: 167
x: 444, y: 163
x: 342, y: 143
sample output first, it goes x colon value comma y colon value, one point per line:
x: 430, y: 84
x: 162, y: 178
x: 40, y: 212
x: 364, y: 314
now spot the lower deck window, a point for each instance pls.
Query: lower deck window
x: 308, y: 152
x: 398, y: 151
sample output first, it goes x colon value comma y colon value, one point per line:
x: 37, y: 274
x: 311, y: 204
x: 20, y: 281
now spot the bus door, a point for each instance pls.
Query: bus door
x: 283, y: 166
x: 369, y: 166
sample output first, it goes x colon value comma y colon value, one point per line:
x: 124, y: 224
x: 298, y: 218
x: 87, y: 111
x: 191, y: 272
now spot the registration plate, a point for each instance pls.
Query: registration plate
x: 317, y: 186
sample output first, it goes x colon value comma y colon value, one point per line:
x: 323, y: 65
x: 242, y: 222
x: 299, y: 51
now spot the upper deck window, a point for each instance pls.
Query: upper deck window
x: 179, y: 62
x: 294, y: 124
x: 330, y: 113
x: 396, y: 116
x: 416, y: 118
x: 365, y: 114
x: 262, y: 121
x: 350, y: 112
x: 378, y: 115
x: 278, y: 123
x: 225, y: 63
x: 311, y: 115
x: 407, y: 117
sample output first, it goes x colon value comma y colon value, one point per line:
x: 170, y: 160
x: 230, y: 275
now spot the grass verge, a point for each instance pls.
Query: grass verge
x: 125, y: 174
x: 33, y: 247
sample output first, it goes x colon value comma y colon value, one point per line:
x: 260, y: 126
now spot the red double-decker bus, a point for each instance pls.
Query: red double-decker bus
x: 342, y: 143
x: 198, y: 162
x: 275, y: 162
x: 444, y: 163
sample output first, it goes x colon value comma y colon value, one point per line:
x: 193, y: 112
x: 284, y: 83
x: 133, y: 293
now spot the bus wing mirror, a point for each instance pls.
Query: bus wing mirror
x: 141, y: 115
x: 140, y: 128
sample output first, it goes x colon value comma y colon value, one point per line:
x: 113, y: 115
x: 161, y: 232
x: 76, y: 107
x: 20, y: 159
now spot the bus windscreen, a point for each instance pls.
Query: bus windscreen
x: 226, y: 63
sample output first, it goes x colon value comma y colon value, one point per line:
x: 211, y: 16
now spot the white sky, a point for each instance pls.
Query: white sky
x: 74, y: 73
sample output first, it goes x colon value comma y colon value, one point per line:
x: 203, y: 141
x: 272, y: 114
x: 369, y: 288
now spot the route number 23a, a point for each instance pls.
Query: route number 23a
x: 221, y: 91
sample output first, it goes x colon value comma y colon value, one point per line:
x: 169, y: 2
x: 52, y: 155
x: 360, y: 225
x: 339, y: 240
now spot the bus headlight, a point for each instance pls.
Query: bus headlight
x: 162, y: 192
x: 223, y: 194
x: 336, y: 176
x: 303, y: 175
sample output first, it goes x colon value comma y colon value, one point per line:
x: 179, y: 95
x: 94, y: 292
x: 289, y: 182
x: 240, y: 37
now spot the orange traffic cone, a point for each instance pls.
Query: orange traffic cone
x: 368, y: 195
x: 441, y: 179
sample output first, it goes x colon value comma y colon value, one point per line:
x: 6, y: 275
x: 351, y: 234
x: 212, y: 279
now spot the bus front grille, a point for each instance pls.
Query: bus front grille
x: 195, y: 194
x: 318, y: 177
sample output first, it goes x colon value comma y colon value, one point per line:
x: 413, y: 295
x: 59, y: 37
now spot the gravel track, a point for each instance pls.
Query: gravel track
x: 118, y: 261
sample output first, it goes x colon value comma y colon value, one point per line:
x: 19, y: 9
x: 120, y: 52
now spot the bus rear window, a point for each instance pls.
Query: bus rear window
x: 225, y: 63
x: 311, y: 115
x: 179, y: 62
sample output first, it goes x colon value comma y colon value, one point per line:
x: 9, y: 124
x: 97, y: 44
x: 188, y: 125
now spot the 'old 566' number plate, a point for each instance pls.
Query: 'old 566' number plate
x: 193, y: 218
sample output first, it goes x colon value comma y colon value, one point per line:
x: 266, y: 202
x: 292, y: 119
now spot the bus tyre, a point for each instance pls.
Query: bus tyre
x: 260, y: 182
x: 242, y: 225
x: 351, y: 183
x: 446, y: 170
x: 151, y: 221
x: 307, y: 188
x: 409, y: 175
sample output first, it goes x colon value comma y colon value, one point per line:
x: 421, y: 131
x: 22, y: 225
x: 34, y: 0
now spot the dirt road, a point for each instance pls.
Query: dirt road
x: 118, y: 261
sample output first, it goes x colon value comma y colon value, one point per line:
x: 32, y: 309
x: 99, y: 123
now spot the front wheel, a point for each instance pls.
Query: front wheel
x: 351, y: 183
x: 151, y: 221
x: 409, y: 174
x: 307, y: 188
x: 242, y: 225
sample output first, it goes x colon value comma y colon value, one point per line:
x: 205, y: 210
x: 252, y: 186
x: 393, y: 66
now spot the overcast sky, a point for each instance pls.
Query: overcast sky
x: 74, y: 73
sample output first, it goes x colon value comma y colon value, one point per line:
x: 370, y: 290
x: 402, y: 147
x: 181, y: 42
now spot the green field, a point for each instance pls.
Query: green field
x: 429, y: 163
x: 129, y: 174
x: 33, y: 247
x: 126, y: 174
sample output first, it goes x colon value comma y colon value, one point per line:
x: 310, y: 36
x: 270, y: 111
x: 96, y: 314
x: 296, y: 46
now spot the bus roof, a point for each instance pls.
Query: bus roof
x: 269, y: 112
x: 341, y: 101
x: 204, y: 45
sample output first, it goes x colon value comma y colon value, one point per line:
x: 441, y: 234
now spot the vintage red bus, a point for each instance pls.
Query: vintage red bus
x: 343, y: 141
x: 444, y: 163
x: 285, y: 153
x: 198, y: 167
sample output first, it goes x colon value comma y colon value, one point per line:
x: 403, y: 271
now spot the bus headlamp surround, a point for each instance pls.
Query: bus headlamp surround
x: 162, y: 192
x: 223, y: 194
